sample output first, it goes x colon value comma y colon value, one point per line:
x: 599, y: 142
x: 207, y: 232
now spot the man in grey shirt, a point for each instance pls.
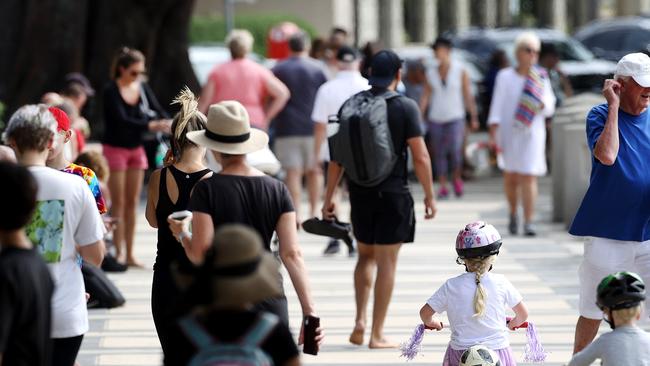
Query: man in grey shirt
x: 293, y: 126
x: 619, y: 296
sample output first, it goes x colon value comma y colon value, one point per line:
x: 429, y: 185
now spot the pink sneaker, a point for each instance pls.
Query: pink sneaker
x: 443, y: 193
x: 458, y: 187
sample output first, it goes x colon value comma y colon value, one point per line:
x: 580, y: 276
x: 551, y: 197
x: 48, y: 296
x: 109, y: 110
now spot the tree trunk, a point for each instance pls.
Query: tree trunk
x: 43, y: 40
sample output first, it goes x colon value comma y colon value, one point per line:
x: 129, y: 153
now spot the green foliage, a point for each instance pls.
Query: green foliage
x: 2, y: 112
x: 212, y: 29
x: 527, y: 16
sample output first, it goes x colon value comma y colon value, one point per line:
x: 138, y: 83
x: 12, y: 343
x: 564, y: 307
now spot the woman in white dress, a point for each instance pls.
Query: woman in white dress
x: 522, y: 100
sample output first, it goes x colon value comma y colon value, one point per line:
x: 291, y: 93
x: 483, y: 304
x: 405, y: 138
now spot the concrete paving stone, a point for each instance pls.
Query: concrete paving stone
x: 544, y: 269
x: 129, y: 324
x: 130, y: 342
x: 137, y: 359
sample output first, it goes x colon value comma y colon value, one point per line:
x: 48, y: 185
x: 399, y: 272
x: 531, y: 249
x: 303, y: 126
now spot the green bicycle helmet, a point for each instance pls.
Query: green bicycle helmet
x: 620, y: 290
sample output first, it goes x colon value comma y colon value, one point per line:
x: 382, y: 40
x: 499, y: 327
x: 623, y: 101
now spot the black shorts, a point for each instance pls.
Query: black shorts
x: 382, y: 217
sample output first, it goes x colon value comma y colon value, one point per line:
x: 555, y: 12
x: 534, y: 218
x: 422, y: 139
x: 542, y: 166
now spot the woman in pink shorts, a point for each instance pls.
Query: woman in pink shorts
x: 130, y: 110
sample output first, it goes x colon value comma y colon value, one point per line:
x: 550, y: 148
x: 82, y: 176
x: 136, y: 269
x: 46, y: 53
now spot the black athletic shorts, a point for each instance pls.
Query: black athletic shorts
x: 382, y: 217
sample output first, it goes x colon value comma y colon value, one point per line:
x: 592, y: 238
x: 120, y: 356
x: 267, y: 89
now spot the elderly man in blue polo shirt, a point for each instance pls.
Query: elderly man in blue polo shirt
x: 615, y: 212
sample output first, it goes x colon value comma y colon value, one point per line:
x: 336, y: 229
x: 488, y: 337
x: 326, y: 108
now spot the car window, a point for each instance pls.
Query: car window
x: 607, y: 40
x: 571, y: 50
x: 509, y: 48
x: 480, y: 47
x: 636, y: 40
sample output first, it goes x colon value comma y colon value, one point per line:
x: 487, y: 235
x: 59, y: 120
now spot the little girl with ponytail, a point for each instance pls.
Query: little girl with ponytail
x: 476, y: 301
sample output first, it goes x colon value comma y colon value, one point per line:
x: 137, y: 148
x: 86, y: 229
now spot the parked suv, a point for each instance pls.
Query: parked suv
x: 583, y: 69
x: 614, y: 38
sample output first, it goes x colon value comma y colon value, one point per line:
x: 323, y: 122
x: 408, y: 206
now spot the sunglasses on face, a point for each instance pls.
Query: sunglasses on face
x: 136, y: 73
x: 530, y: 50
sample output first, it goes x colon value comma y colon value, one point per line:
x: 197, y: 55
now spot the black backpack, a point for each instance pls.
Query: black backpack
x: 363, y: 144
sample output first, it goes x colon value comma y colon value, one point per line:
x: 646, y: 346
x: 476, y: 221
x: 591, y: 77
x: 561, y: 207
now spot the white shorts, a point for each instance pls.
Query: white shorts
x: 606, y: 256
x: 295, y: 152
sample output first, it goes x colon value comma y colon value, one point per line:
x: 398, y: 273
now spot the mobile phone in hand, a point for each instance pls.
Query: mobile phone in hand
x: 310, y: 324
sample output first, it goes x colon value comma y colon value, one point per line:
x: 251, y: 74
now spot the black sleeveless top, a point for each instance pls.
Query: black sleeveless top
x: 169, y: 249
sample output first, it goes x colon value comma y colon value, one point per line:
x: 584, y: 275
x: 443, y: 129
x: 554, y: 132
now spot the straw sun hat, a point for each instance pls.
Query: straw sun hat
x: 229, y: 131
x: 242, y: 271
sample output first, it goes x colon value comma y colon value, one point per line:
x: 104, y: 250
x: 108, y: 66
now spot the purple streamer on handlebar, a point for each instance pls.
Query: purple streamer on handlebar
x: 411, y: 348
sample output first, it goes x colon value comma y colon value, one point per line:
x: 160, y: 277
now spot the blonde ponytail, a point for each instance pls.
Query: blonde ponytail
x: 189, y: 118
x: 189, y: 106
x: 479, y: 266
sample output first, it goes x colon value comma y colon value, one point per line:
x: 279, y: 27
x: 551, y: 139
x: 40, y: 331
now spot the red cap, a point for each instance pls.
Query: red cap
x: 61, y: 117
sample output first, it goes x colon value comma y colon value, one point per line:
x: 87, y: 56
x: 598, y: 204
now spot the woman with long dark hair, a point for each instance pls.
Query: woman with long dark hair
x: 130, y: 110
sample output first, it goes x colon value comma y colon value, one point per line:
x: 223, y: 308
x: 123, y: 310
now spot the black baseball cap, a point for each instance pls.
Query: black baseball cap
x: 383, y: 67
x: 346, y: 54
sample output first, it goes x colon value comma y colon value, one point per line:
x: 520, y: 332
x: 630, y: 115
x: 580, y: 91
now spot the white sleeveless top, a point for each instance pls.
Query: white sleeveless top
x: 446, y: 103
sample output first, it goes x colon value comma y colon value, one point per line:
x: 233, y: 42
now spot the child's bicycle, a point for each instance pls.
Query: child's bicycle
x: 533, y: 352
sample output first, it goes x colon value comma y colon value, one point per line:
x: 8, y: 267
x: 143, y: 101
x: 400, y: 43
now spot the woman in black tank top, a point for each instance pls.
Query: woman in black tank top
x: 169, y: 191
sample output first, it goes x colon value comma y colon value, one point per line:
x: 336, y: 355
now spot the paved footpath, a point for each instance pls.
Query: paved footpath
x: 544, y: 269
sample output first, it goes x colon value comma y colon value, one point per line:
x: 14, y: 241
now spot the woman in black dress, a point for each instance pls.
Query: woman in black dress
x: 130, y: 110
x: 169, y: 191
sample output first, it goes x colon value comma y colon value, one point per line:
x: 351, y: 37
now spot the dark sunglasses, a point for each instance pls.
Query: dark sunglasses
x: 530, y: 50
x: 135, y: 73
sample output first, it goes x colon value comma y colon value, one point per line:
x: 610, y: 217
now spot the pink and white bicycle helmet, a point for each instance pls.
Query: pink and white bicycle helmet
x: 478, y: 240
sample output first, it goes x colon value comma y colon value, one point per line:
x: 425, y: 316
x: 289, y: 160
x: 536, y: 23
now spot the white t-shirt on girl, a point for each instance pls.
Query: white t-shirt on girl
x: 456, y: 297
x: 66, y: 215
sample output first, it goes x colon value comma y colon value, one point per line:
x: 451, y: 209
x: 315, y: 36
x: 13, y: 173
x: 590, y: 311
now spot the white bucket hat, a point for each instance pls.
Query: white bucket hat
x: 229, y: 131
x: 637, y: 66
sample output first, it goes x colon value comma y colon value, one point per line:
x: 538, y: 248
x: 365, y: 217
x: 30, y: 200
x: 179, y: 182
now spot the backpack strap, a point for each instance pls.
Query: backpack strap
x: 390, y: 95
x: 264, y: 324
x: 195, y: 332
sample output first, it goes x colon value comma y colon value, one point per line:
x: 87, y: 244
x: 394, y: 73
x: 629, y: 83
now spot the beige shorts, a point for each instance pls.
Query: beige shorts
x: 295, y: 152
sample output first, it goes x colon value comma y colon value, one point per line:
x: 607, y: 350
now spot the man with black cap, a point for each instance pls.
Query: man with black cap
x: 382, y: 215
x: 329, y: 98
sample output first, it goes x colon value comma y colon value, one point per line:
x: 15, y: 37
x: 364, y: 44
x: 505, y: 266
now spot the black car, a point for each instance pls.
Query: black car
x: 614, y: 38
x: 584, y: 70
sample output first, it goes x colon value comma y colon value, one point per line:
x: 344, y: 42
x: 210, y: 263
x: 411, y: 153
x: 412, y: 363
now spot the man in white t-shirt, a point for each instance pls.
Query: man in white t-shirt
x: 65, y: 223
x: 329, y: 99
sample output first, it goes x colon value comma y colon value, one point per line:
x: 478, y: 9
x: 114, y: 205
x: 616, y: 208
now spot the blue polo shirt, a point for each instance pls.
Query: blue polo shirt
x: 617, y: 203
